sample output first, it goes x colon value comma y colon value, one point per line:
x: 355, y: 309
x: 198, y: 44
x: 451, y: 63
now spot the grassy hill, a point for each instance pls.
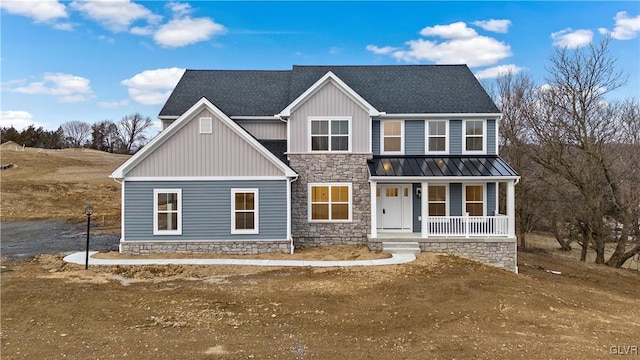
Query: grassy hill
x: 57, y: 184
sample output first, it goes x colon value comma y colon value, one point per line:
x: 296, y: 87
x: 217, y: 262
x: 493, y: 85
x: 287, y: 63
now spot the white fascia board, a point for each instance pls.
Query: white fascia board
x: 437, y: 116
x: 185, y: 118
x: 261, y: 117
x: 206, y: 178
x: 168, y: 117
x: 311, y: 90
x: 440, y: 179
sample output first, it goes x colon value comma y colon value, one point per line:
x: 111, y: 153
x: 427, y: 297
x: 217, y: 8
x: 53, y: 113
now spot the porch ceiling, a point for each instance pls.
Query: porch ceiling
x: 440, y: 166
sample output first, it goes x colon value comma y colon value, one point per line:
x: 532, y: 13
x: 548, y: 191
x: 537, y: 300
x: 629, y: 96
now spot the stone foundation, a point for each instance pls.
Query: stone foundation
x: 205, y: 247
x: 500, y: 253
x: 330, y: 168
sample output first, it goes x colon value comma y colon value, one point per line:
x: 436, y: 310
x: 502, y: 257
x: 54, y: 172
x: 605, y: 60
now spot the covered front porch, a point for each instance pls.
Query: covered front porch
x: 442, y: 198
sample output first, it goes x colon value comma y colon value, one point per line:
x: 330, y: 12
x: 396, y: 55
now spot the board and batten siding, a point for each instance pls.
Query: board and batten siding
x: 265, y: 129
x: 329, y: 100
x: 220, y: 153
x: 414, y: 142
x: 206, y: 210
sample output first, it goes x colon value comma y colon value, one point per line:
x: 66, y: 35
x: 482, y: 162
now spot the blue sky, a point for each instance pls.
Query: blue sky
x: 97, y: 60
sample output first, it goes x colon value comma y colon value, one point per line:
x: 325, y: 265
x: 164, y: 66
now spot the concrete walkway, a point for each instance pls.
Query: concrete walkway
x: 79, y: 258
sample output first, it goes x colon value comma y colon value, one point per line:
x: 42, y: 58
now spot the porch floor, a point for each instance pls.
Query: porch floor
x: 385, y: 236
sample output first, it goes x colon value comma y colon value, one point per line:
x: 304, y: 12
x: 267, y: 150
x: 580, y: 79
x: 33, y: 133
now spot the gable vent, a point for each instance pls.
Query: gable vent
x: 206, y: 125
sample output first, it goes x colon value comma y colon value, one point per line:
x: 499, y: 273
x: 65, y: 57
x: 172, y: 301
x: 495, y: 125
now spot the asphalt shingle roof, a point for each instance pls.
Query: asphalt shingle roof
x: 435, y: 166
x: 389, y: 88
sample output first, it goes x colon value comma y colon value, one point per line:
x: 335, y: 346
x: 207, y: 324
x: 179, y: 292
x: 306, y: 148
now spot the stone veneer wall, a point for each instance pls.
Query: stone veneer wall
x: 229, y: 247
x: 326, y: 168
x: 501, y: 253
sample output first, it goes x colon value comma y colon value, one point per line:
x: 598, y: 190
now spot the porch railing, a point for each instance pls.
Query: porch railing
x: 468, y: 226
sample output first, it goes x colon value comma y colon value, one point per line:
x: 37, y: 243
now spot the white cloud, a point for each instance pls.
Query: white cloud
x: 626, y: 28
x: 187, y: 31
x: 497, y: 71
x: 41, y: 11
x: 66, y: 87
x: 494, y: 25
x: 142, y: 30
x: 461, y: 45
x: 179, y: 9
x: 115, y: 15
x: 381, y: 50
x: 572, y: 38
x: 113, y: 104
x: 18, y: 119
x: 152, y: 87
x: 458, y: 30
x: 63, y: 26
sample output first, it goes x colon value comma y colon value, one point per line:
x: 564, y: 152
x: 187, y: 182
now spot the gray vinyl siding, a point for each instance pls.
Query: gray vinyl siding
x: 491, y: 137
x: 455, y: 199
x: 265, y: 129
x: 330, y: 101
x: 375, y: 137
x: 206, y: 210
x: 221, y: 153
x: 166, y: 123
x: 455, y: 137
x: 417, y: 209
x: 491, y: 199
x: 414, y: 143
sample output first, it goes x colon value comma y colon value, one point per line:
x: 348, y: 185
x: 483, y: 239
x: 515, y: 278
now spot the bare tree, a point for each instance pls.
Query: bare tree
x: 131, y: 131
x: 76, y: 133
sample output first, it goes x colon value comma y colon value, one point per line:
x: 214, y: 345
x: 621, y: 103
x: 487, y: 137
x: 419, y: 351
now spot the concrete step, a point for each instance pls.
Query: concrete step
x: 405, y: 247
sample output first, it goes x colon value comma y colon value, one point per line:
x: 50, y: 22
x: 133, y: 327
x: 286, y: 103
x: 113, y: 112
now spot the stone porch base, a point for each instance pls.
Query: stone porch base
x: 499, y: 252
x: 228, y: 247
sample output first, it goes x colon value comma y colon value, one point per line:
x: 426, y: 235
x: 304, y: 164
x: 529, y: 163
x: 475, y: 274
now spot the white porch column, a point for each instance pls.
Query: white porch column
x: 511, y: 208
x: 374, y: 210
x: 424, y: 206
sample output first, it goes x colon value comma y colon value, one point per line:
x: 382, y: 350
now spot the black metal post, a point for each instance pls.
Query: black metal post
x: 86, y: 263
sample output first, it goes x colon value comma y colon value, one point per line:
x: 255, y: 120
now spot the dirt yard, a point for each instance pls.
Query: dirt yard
x: 57, y: 184
x: 437, y: 307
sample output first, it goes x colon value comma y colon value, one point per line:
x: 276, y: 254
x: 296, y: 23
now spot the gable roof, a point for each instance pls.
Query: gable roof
x: 188, y: 115
x: 424, y: 89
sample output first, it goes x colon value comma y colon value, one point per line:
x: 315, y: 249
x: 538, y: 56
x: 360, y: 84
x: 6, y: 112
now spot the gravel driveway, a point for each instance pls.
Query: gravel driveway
x: 25, y: 239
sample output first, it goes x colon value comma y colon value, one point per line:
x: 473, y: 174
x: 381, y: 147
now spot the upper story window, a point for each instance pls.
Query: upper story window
x: 392, y: 137
x: 474, y: 136
x: 437, y: 141
x: 330, y: 134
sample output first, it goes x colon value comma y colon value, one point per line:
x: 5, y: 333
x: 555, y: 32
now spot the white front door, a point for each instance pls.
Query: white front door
x: 394, y: 207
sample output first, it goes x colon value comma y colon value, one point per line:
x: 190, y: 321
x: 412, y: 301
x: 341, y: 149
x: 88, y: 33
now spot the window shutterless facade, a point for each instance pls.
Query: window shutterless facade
x: 244, y: 211
x: 474, y: 132
x: 436, y: 135
x: 330, y: 202
x: 437, y: 200
x: 330, y: 134
x: 474, y: 200
x: 167, y: 211
x: 392, y: 138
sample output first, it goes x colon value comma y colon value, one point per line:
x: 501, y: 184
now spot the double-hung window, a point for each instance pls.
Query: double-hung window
x: 392, y: 139
x: 437, y: 200
x: 437, y: 136
x: 330, y: 202
x: 167, y: 212
x: 474, y: 136
x: 474, y: 200
x: 330, y: 134
x: 244, y: 211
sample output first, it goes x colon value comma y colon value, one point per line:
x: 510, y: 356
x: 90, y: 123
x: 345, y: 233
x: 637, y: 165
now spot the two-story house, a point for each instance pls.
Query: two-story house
x: 263, y: 161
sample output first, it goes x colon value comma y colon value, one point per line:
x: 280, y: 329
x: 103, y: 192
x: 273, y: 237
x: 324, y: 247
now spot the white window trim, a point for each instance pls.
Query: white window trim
x: 446, y: 138
x: 310, y: 185
x: 402, y: 138
x: 256, y: 211
x: 447, y: 199
x: 329, y: 118
x: 156, y: 231
x: 484, y: 197
x: 484, y: 138
x: 203, y: 130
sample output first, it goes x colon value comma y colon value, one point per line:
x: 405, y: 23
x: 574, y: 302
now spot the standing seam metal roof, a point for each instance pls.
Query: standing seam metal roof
x: 436, y: 166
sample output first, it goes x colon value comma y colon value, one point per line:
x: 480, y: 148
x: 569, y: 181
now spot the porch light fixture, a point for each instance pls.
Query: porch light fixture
x: 418, y: 192
x: 88, y: 210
